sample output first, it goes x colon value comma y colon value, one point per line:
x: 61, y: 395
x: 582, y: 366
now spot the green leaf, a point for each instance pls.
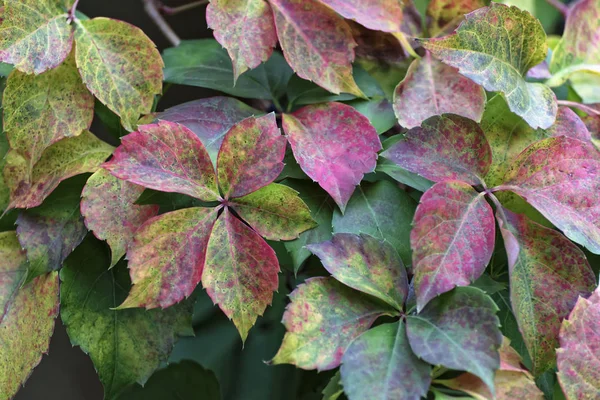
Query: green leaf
x: 334, y: 388
x: 12, y: 270
x: 379, y: 112
x: 380, y: 363
x: 398, y: 173
x: 126, y: 346
x: 488, y: 47
x: 120, y: 65
x: 35, y: 34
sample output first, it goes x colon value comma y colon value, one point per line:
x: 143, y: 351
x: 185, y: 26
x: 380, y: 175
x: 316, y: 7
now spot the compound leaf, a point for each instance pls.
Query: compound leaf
x: 378, y: 15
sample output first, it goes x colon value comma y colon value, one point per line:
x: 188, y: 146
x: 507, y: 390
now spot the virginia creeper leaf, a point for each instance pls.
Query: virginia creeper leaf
x: 12, y: 271
x: 379, y: 112
x: 458, y: 330
x: 168, y: 157
x: 444, y: 15
x: 382, y: 210
x: 380, y: 364
x: 578, y: 363
x: 120, y: 65
x: 43, y: 109
x: 378, y: 15
x: 488, y: 47
x: 335, y: 146
x: 241, y: 270
x: 210, y: 119
x: 558, y: 176
x: 547, y: 275
x: 275, y: 212
x: 108, y: 208
x: 366, y: 264
x: 452, y: 239
x: 64, y: 159
x: 334, y: 388
x: 314, y: 53
x: 569, y: 124
x: 433, y: 88
x: 35, y: 35
x: 245, y: 28
x: 167, y: 256
x: 126, y: 346
x: 251, y: 156
x: 322, y: 319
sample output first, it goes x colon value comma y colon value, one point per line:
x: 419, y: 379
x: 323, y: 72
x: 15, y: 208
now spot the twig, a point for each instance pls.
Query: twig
x: 563, y: 8
x: 166, y: 10
x: 151, y: 7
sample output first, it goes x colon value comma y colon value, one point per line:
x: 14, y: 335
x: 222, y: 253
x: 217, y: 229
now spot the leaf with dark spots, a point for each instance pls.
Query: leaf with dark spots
x: 366, y: 264
x: 458, y: 330
x: 378, y: 15
x: 322, y: 319
x: 251, y: 156
x: 12, y: 270
x: 569, y: 124
x: 445, y: 147
x: 452, y: 239
x: 335, y: 145
x: 168, y: 157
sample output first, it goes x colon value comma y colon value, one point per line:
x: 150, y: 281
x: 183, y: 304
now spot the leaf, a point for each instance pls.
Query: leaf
x: 126, y: 346
x: 578, y: 363
x: 43, y: 109
x: 120, y: 65
x: 458, y: 330
x: 167, y: 257
x: 382, y: 210
x: 35, y: 34
x: 241, y: 270
x: 275, y: 212
x: 322, y: 319
x: 547, y: 275
x: 452, y: 239
x: 443, y: 15
x: 380, y: 364
x: 204, y: 63
x: 251, y: 156
x: 558, y: 176
x: 398, y: 173
x: 168, y: 157
x: 12, y: 271
x: 62, y: 160
x: 245, y: 28
x: 378, y: 15
x: 433, y: 88
x: 445, y: 147
x: 108, y: 207
x: 316, y: 54
x: 569, y: 124
x: 185, y: 380
x: 334, y: 388
x: 210, y: 119
x: 335, y: 146
x: 379, y: 112
x: 488, y: 47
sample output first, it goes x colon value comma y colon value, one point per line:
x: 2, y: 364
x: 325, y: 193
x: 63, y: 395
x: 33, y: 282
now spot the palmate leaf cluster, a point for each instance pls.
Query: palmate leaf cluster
x: 423, y: 184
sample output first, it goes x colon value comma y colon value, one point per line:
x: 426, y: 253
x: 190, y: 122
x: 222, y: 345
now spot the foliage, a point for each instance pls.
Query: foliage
x: 432, y: 199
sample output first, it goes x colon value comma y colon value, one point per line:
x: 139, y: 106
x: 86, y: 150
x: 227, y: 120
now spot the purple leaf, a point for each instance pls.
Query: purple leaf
x: 378, y: 15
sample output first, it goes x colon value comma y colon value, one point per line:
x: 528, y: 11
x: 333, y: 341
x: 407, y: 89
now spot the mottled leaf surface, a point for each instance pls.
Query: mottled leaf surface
x: 168, y: 157
x: 323, y: 318
x: 569, y: 124
x: 444, y: 147
x: 488, y: 47
x: 458, y: 330
x: 12, y: 270
x: 547, y: 275
x: 120, y: 65
x: 380, y: 364
x: 452, y: 239
x: 378, y: 15
x: 397, y: 172
x: 444, y: 15
x: 433, y: 88
x: 108, y: 206
x: 335, y: 146
x: 126, y: 346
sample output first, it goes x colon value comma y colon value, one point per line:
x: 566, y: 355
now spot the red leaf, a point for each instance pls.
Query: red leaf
x: 378, y: 15
x: 569, y: 124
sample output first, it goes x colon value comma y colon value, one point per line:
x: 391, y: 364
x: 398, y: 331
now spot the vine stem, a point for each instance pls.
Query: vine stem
x: 563, y: 8
x: 152, y: 9
x: 176, y: 10
x: 71, y: 12
x: 406, y: 45
x: 583, y: 107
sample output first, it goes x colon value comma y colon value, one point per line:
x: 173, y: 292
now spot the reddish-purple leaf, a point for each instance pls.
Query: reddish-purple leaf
x: 335, y: 145
x: 452, y: 239
x: 578, y: 361
x: 168, y: 157
x: 559, y: 177
x: 322, y: 319
x: 251, y: 156
x: 444, y: 15
x: 317, y: 43
x: 167, y: 256
x: 433, y: 88
x: 378, y: 15
x: 367, y: 264
x: 108, y: 208
x: 547, y: 275
x: 445, y: 147
x: 241, y: 270
x: 569, y: 124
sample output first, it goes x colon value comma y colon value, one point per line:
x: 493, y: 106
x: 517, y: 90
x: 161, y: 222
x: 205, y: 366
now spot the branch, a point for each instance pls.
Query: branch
x: 151, y: 7
x: 166, y: 10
